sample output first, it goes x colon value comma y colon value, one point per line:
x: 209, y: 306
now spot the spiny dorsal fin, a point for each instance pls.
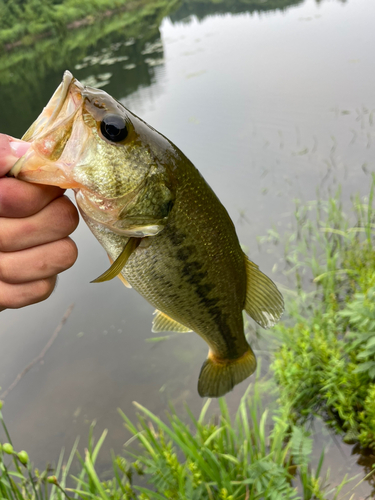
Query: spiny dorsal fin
x: 163, y: 323
x: 219, y: 376
x: 264, y: 303
x: 120, y: 262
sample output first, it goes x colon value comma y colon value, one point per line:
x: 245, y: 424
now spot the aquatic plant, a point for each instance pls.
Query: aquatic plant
x: 248, y: 456
x: 239, y: 457
x: 326, y: 361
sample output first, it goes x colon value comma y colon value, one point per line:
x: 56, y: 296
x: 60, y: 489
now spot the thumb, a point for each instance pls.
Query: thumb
x: 10, y: 150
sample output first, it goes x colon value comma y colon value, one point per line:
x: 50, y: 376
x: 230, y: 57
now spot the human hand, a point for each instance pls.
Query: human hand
x: 35, y: 222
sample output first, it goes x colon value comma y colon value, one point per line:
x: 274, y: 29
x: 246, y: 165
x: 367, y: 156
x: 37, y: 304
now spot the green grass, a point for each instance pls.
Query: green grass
x: 326, y: 362
x: 253, y: 454
x: 23, y: 22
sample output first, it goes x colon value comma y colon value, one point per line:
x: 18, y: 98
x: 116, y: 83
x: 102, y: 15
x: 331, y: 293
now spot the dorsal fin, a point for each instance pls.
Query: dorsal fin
x: 163, y: 323
x: 119, y: 263
x: 264, y: 303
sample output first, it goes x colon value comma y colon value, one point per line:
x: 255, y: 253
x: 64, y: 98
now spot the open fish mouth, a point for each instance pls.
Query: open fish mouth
x: 44, y: 163
x: 52, y: 110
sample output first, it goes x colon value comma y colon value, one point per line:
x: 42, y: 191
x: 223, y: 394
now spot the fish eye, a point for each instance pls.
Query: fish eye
x: 113, y: 128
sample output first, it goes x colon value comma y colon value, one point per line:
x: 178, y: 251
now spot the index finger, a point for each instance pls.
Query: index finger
x: 19, y: 198
x: 22, y: 199
x: 10, y: 150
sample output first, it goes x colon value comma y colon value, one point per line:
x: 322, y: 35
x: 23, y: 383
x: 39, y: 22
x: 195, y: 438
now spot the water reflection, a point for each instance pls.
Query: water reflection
x: 201, y: 10
x: 132, y: 63
x: 115, y: 49
x: 123, y: 50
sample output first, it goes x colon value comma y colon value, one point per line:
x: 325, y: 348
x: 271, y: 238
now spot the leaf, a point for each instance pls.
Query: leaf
x: 371, y: 343
x: 364, y: 367
x: 300, y: 446
x: 371, y: 372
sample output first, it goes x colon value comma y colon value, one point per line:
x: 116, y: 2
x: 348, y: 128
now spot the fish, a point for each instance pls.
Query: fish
x: 165, y: 231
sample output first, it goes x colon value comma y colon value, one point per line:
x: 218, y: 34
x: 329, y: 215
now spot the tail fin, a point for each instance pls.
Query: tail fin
x: 219, y: 376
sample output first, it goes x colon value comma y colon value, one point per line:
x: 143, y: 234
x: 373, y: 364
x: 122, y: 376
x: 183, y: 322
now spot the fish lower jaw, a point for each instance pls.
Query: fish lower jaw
x: 36, y: 169
x: 108, y: 218
x: 94, y: 216
x: 110, y: 226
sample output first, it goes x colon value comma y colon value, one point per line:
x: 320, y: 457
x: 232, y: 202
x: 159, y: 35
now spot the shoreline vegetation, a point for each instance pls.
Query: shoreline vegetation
x: 325, y: 365
x: 76, y: 26
x: 250, y: 456
x: 25, y: 21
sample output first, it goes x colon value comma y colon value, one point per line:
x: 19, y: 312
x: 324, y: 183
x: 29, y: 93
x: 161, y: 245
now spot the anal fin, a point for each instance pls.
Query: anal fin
x: 163, y: 323
x: 264, y: 303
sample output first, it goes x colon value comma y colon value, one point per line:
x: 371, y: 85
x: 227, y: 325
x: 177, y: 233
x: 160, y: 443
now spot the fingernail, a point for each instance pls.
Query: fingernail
x: 19, y: 148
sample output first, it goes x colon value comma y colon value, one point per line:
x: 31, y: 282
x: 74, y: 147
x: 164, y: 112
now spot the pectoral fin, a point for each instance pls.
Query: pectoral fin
x: 264, y: 303
x: 120, y: 262
x: 163, y: 323
x: 120, y: 276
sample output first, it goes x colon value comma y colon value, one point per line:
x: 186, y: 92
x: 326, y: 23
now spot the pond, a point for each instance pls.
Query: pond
x: 272, y: 101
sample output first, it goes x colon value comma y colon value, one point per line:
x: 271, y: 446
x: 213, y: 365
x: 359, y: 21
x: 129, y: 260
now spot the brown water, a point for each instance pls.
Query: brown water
x: 270, y: 106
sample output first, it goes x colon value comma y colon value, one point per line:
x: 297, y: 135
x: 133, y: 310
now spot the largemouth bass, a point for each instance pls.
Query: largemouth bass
x: 165, y: 231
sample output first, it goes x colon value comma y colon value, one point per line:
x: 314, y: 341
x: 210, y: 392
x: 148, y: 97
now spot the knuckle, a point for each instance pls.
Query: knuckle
x: 44, y: 288
x: 67, y: 213
x: 68, y: 252
x: 41, y: 266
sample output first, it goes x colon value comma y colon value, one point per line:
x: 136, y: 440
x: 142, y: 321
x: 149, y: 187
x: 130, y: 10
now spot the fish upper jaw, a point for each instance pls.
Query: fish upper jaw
x: 68, y: 95
x: 57, y: 139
